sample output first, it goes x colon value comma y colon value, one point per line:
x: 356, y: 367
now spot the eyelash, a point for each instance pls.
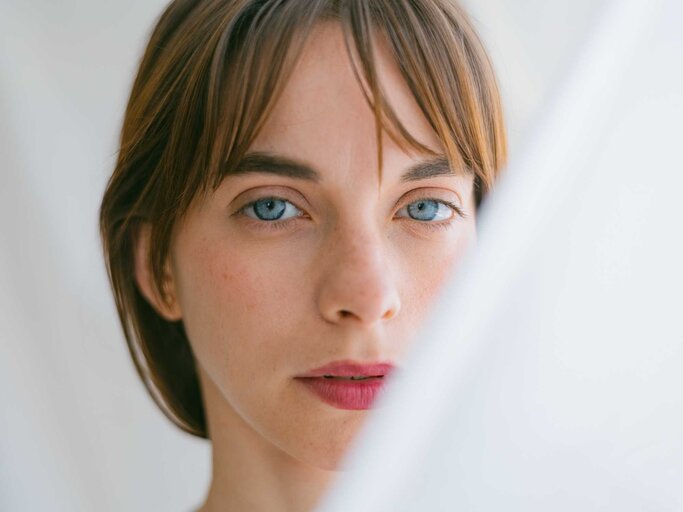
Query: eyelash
x: 275, y: 225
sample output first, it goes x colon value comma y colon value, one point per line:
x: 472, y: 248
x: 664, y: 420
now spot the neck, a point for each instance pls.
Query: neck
x: 248, y: 471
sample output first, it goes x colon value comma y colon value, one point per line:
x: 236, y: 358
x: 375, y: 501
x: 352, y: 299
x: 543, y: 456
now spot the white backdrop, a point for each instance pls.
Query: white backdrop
x: 77, y: 430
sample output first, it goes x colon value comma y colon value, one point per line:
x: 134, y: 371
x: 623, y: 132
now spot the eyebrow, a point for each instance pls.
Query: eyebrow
x: 262, y: 162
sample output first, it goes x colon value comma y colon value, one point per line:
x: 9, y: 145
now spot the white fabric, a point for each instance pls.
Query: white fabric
x: 550, y: 377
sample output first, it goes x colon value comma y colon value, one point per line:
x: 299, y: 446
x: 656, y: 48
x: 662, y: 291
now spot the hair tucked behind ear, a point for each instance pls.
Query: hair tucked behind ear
x: 210, y: 74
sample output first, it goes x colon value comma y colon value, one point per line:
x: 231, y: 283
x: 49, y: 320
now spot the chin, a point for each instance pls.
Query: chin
x: 331, y: 464
x: 330, y: 457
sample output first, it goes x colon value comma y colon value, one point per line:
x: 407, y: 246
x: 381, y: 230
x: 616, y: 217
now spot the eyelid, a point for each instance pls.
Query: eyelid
x: 435, y: 193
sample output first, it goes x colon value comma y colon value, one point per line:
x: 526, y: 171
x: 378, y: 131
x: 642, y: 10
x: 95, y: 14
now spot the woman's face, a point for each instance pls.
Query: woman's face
x: 294, y: 264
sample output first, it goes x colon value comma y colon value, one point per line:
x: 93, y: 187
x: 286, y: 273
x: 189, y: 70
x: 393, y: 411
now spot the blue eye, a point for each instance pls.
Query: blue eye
x: 271, y: 209
x: 426, y: 210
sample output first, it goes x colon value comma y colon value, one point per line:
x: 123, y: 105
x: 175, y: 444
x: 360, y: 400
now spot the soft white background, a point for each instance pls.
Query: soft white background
x: 77, y: 429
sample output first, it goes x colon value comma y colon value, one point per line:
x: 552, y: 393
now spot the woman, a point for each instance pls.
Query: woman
x: 295, y: 181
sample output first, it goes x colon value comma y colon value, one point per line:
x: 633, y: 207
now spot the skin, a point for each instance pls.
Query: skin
x: 348, y: 275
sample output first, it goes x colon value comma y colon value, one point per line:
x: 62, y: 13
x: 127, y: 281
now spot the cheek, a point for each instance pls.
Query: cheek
x: 234, y: 301
x: 429, y: 268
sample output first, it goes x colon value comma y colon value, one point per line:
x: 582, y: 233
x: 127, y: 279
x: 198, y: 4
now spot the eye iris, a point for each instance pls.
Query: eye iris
x: 423, y: 210
x: 269, y: 209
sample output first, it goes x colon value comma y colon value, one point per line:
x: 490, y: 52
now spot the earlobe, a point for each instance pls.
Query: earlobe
x: 168, y: 306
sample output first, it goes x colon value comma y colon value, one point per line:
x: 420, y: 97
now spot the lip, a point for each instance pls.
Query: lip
x: 351, y: 368
x: 344, y: 393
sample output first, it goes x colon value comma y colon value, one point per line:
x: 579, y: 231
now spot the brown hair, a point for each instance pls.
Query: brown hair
x: 210, y: 74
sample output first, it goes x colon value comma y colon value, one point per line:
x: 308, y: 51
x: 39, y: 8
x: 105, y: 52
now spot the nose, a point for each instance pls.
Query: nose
x: 357, y: 286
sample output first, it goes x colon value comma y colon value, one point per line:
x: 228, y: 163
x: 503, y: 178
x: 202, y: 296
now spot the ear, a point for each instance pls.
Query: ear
x: 169, y: 308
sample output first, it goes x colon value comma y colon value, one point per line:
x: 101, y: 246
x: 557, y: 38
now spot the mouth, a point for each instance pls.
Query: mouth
x: 348, y: 384
x: 355, y: 377
x: 352, y: 370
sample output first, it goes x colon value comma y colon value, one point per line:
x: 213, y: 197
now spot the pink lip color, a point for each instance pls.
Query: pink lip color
x: 345, y: 393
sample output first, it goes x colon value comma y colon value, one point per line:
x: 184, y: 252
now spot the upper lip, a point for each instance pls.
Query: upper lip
x: 351, y: 369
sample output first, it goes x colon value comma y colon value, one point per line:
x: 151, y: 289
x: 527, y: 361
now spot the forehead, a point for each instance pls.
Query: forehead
x: 323, y: 117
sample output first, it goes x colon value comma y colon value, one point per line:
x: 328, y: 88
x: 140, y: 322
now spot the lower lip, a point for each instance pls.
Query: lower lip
x: 346, y: 393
